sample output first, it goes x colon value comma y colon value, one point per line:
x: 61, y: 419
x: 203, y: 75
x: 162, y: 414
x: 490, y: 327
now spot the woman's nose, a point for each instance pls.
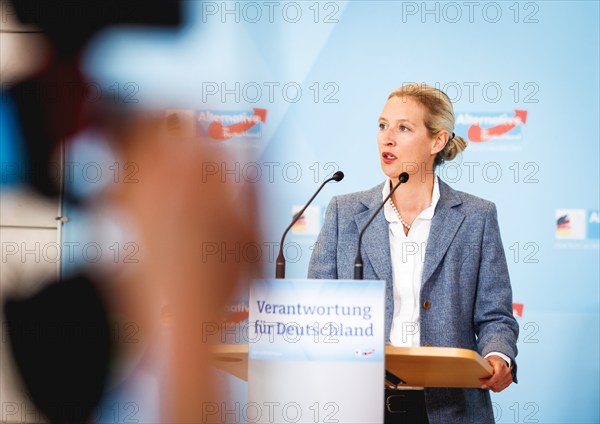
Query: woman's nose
x: 388, y: 138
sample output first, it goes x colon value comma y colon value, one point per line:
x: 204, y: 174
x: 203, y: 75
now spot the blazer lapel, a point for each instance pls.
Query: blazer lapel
x: 376, y: 249
x: 376, y: 240
x: 444, y: 225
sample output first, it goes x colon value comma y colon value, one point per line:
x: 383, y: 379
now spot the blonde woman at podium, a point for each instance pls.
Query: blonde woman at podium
x: 439, y: 251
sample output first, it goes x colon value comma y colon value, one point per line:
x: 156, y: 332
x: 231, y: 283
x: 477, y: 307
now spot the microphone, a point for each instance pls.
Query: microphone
x: 358, y: 262
x: 280, y: 264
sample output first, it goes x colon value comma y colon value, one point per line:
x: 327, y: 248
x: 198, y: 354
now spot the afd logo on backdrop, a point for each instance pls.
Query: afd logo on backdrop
x: 309, y: 223
x: 577, y: 224
x: 225, y: 125
x: 518, y: 309
x: 236, y: 313
x: 483, y: 127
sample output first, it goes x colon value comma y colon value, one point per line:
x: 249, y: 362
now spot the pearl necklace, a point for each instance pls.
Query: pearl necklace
x: 398, y: 214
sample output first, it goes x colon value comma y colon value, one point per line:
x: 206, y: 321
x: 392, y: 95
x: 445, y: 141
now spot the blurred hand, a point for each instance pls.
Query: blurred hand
x: 180, y: 215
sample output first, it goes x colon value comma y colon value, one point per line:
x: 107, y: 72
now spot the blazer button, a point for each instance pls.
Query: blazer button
x: 426, y: 304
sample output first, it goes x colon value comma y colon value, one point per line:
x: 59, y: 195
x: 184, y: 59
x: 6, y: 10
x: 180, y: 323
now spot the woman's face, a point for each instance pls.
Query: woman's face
x: 405, y: 144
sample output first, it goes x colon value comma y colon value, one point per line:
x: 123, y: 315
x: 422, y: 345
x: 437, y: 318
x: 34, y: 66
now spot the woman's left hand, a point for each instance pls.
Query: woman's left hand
x: 501, y: 378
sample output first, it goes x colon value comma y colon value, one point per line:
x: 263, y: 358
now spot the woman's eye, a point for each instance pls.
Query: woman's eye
x: 382, y: 126
x: 402, y: 128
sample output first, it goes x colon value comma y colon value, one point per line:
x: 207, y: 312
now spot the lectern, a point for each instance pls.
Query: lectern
x: 316, y: 349
x: 414, y: 366
x: 436, y: 366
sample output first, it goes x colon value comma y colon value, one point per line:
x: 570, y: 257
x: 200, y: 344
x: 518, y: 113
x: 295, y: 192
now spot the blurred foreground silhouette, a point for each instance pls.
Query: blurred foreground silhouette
x: 61, y: 336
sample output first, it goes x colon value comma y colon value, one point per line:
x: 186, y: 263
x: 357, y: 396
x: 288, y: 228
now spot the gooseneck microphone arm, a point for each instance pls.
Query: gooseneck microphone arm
x: 358, y: 262
x: 280, y: 263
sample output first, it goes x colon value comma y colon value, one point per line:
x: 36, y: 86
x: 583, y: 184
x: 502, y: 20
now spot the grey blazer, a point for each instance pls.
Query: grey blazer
x: 465, y: 281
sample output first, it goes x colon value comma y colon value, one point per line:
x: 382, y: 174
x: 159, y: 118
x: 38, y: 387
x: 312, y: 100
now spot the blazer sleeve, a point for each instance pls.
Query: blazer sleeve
x: 323, y: 261
x: 495, y: 326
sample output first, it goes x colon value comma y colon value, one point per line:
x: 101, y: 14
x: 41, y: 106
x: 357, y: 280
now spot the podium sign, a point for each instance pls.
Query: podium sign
x: 316, y: 351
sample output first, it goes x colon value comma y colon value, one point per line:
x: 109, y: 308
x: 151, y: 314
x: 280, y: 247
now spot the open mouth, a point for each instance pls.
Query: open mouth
x: 388, y: 156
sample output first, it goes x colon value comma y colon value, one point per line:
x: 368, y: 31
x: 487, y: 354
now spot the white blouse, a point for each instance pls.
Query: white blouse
x: 408, y: 257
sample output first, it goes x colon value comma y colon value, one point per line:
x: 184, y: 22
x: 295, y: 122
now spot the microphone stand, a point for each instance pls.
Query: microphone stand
x: 280, y: 263
x: 358, y: 262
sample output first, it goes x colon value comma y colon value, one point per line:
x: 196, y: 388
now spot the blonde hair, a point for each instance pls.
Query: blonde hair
x: 439, y: 115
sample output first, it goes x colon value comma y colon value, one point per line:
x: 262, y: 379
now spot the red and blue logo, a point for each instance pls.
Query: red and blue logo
x: 360, y: 353
x: 225, y: 125
x: 482, y: 127
x: 236, y: 313
x: 518, y: 309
